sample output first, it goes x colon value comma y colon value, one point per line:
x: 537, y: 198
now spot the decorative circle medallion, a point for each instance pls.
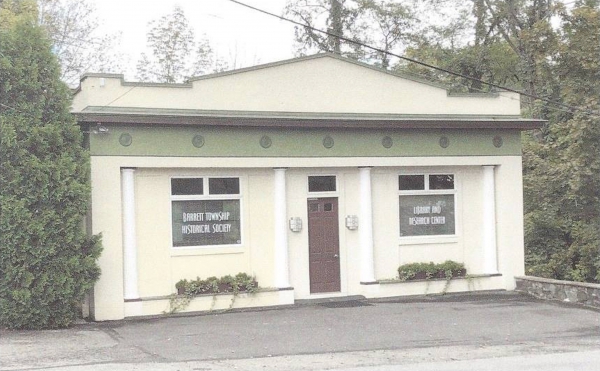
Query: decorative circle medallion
x: 125, y: 139
x: 265, y: 141
x: 198, y: 141
x: 444, y: 142
x: 498, y: 142
x: 328, y: 142
x: 387, y: 142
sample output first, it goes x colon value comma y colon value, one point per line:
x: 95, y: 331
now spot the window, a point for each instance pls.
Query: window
x: 321, y: 183
x: 205, y: 211
x: 427, y: 205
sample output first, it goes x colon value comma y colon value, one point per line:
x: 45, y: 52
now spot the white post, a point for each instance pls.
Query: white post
x: 282, y: 272
x: 130, y: 273
x: 365, y: 227
x: 490, y: 256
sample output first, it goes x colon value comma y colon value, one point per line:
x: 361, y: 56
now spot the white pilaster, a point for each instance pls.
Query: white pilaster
x: 282, y: 271
x: 365, y: 227
x: 130, y: 272
x: 490, y: 255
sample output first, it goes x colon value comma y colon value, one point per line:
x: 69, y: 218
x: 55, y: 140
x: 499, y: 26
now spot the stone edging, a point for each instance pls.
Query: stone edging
x: 583, y: 293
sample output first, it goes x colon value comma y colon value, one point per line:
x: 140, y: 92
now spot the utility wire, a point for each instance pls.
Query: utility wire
x: 529, y: 95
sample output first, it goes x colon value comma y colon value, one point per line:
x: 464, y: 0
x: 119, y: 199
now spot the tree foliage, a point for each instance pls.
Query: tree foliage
x: 73, y: 29
x: 47, y: 262
x: 176, y: 56
x: 385, y: 25
x: 562, y: 173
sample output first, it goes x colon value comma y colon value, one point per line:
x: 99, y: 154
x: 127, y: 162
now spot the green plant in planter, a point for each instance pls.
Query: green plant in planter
x: 246, y: 283
x: 426, y: 271
x: 416, y: 271
x: 452, y: 269
x: 212, y: 284
x: 188, y: 289
x: 180, y: 286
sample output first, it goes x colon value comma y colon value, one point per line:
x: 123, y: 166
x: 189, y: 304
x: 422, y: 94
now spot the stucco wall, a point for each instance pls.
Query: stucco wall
x: 160, y: 266
x: 297, y: 86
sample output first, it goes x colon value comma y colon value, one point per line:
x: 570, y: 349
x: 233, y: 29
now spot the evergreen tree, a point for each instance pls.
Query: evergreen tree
x: 47, y: 263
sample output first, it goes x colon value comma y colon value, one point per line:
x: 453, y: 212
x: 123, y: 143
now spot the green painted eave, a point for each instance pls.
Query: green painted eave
x: 186, y: 117
x: 212, y: 141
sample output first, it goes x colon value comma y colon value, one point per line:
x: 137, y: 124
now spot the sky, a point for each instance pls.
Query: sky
x: 236, y: 33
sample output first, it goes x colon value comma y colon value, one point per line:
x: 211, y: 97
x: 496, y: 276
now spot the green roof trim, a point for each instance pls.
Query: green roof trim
x: 189, y: 141
x: 185, y: 117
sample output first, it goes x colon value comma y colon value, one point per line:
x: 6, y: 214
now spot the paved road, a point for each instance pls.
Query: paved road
x: 367, y: 334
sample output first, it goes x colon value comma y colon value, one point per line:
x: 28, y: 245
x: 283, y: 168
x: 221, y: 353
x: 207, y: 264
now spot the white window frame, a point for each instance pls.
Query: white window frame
x: 437, y: 238
x: 323, y: 194
x: 204, y: 197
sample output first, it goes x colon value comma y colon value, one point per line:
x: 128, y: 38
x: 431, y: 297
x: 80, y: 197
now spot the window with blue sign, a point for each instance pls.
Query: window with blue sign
x: 427, y: 205
x: 206, y: 212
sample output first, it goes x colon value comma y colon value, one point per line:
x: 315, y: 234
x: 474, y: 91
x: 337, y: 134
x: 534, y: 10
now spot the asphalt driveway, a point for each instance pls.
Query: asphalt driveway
x: 351, y: 333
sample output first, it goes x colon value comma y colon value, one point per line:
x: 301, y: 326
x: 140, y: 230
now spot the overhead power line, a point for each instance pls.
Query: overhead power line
x: 457, y: 74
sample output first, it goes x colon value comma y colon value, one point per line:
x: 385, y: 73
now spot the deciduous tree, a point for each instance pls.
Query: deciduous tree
x: 385, y: 25
x: 562, y: 173
x: 73, y: 29
x: 175, y: 54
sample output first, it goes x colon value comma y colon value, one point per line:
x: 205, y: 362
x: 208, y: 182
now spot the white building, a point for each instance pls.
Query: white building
x: 318, y: 175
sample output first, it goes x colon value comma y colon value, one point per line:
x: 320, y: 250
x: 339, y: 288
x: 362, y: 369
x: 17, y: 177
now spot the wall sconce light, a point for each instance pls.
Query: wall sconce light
x: 295, y: 224
x: 100, y: 129
x: 352, y: 222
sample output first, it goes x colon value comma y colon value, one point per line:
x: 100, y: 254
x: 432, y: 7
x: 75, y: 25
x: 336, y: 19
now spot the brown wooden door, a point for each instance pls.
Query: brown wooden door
x: 323, y: 245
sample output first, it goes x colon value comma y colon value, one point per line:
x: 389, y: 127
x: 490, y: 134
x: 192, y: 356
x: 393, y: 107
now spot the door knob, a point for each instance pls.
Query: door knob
x: 336, y: 256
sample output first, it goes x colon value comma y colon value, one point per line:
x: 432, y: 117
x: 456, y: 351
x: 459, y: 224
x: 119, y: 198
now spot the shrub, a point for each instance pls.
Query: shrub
x: 47, y: 263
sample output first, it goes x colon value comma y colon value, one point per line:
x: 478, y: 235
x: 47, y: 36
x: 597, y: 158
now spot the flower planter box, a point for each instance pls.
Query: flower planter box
x: 213, y: 285
x: 433, y: 286
x: 428, y: 271
x: 223, y: 289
